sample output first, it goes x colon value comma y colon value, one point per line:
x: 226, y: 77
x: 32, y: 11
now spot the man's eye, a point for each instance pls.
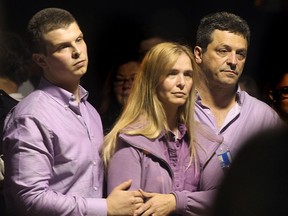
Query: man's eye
x: 62, y: 47
x: 79, y: 39
x: 241, y: 56
x: 222, y: 51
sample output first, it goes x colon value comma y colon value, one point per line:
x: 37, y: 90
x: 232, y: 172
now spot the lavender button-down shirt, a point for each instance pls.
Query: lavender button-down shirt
x: 51, y: 155
x: 247, y: 117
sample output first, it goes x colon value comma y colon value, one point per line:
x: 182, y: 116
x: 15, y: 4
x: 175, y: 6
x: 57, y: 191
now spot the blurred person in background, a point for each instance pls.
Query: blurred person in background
x: 147, y: 43
x: 14, y: 70
x: 257, y: 181
x: 278, y: 92
x: 15, y: 62
x: 116, y: 90
x: 248, y: 83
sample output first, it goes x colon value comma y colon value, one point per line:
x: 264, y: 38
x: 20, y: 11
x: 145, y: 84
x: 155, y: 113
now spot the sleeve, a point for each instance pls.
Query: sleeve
x: 28, y: 153
x: 197, y: 203
x: 125, y: 164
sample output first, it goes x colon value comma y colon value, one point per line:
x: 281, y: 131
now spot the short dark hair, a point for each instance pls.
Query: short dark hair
x: 44, y: 21
x: 223, y: 21
x: 14, y: 58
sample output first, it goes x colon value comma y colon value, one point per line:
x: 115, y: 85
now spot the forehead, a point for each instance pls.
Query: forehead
x: 62, y: 35
x: 229, y: 39
x: 284, y: 80
x: 183, y: 61
x: 128, y: 69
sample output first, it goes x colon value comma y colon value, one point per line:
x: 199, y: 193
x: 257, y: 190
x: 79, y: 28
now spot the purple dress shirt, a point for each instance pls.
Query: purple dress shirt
x: 247, y: 117
x: 51, y: 151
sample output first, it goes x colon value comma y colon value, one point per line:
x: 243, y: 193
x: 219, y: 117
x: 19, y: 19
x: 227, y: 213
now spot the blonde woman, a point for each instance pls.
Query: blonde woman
x: 152, y: 142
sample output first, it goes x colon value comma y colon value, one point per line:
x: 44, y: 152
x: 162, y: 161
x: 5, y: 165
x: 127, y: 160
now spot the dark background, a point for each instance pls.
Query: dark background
x: 114, y: 28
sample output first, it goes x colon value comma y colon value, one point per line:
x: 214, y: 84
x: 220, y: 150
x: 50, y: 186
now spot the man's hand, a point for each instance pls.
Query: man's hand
x: 123, y: 202
x: 157, y: 204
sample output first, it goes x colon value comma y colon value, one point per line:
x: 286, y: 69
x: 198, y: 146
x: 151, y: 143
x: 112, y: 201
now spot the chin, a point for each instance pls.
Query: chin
x: 179, y: 103
x: 82, y: 71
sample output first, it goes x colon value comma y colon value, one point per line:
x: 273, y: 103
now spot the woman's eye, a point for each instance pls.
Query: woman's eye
x: 172, y: 73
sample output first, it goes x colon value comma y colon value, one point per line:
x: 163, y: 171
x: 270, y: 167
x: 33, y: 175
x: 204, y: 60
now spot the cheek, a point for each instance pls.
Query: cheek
x: 117, y: 90
x: 59, y: 62
x: 83, y: 48
x: 284, y: 105
x: 167, y: 85
x: 164, y: 90
x: 162, y: 93
x: 241, y: 65
x: 189, y: 85
x: 58, y: 66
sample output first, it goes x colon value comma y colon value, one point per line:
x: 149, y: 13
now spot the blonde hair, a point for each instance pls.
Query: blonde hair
x: 144, y: 114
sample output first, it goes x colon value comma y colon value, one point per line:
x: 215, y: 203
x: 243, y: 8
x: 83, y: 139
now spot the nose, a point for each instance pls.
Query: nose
x: 76, y: 53
x: 127, y: 83
x: 180, y: 80
x: 232, y: 58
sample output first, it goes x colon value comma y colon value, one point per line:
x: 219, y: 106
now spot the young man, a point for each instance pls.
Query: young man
x: 229, y: 115
x: 51, y: 139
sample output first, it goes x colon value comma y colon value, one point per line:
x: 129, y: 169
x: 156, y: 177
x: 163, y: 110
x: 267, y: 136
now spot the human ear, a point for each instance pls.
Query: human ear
x: 39, y: 59
x: 198, y: 54
x: 271, y: 96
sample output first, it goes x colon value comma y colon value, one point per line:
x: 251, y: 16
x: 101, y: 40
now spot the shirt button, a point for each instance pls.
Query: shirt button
x: 94, y: 163
x: 73, y: 98
x: 95, y: 188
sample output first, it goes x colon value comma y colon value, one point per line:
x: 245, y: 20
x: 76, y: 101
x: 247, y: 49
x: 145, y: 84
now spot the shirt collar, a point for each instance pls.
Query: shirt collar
x: 62, y: 95
x: 182, y: 132
x: 239, y: 96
